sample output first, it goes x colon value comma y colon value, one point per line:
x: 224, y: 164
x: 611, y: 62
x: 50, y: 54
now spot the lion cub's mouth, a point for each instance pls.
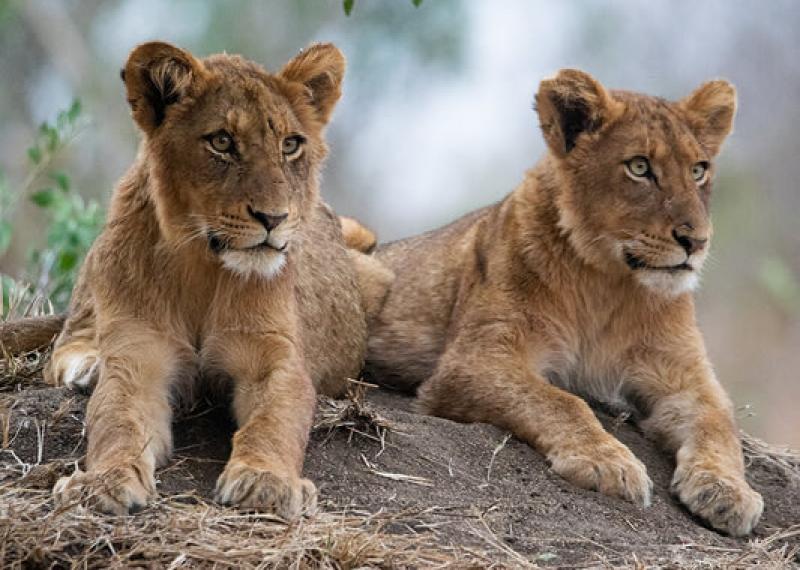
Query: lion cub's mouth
x: 635, y: 263
x: 265, y: 245
x: 219, y: 245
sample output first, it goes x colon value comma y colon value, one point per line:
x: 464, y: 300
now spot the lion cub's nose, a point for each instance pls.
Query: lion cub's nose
x: 269, y: 221
x: 687, y: 241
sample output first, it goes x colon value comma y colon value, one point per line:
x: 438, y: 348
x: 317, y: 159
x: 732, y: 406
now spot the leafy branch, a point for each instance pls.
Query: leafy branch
x: 73, y: 223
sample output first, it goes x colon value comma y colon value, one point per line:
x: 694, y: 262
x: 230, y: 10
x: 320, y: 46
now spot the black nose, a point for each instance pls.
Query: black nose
x: 269, y: 221
x: 687, y: 241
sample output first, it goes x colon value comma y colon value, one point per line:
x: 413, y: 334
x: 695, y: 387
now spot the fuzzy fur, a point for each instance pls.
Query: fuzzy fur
x: 185, y: 282
x: 518, y: 313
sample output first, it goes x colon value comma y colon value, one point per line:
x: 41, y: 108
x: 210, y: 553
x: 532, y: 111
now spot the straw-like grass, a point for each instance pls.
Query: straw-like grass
x: 188, y: 531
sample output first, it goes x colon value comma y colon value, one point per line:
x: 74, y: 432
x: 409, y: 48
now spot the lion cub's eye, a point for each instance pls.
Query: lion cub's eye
x: 699, y: 171
x: 638, y: 167
x: 221, y: 141
x: 292, y: 146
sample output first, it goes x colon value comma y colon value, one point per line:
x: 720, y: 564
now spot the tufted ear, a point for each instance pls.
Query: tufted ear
x: 156, y: 76
x: 570, y: 104
x: 710, y: 110
x: 320, y: 68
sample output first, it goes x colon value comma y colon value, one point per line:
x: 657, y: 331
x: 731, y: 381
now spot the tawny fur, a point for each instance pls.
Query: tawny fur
x: 518, y: 313
x: 357, y: 236
x: 187, y: 281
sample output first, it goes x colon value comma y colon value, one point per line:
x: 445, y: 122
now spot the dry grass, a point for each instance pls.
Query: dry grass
x: 188, y: 531
x: 20, y: 370
x: 23, y: 370
x: 353, y: 415
x: 783, y: 461
x: 21, y: 301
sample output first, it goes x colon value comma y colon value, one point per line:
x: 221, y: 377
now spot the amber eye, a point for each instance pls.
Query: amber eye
x: 221, y: 142
x: 292, y: 146
x: 699, y: 171
x: 638, y: 167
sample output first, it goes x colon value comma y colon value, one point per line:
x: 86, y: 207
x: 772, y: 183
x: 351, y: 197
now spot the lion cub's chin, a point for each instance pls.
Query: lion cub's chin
x: 265, y: 264
x: 668, y: 283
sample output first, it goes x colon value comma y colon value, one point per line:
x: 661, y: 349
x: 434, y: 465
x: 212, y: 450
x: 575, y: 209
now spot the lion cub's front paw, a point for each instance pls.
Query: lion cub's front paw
x: 120, y: 490
x: 264, y: 490
x: 609, y: 468
x: 727, y: 502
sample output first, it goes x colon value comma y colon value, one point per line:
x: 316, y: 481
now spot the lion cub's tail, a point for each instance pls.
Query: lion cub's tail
x: 30, y: 333
x: 357, y: 236
x: 374, y: 278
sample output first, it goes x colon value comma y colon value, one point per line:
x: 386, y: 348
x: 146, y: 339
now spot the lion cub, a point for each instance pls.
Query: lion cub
x: 220, y: 259
x: 578, y: 285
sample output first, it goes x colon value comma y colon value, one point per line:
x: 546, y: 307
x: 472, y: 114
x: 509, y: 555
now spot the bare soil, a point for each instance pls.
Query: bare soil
x: 474, y: 494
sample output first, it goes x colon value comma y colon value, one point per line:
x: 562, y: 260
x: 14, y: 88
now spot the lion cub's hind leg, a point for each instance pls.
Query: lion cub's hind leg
x: 75, y: 358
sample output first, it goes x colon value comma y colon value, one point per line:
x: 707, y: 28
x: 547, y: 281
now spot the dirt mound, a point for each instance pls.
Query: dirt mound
x: 396, y: 490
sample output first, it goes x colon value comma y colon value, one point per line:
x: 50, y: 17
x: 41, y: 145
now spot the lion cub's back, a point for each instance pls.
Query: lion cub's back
x: 333, y: 323
x: 409, y: 334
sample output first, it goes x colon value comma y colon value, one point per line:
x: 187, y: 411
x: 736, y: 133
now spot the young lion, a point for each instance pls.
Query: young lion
x: 578, y: 283
x: 219, y: 259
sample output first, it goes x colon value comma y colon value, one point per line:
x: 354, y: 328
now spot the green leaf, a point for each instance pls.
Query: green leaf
x: 43, y: 198
x: 75, y: 111
x: 348, y: 6
x: 416, y: 3
x: 53, y: 138
x: 35, y: 154
x: 5, y: 235
x: 61, y: 180
x: 67, y: 260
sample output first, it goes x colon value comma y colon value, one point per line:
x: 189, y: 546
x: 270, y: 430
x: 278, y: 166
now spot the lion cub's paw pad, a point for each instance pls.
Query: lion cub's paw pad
x: 263, y: 490
x: 610, y: 469
x: 728, y: 503
x: 120, y: 490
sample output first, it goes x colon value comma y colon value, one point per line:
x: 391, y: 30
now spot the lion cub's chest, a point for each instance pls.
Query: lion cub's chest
x: 586, y: 356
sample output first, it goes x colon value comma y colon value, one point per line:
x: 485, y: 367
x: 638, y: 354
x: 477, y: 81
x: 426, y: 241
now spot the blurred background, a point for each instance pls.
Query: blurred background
x: 436, y: 120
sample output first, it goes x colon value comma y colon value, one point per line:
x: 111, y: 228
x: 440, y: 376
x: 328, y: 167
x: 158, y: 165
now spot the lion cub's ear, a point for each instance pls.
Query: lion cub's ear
x: 156, y: 76
x: 710, y: 110
x: 570, y: 104
x: 320, y: 68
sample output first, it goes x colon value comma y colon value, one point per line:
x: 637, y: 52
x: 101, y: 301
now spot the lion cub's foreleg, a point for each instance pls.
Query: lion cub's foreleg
x: 484, y: 377
x: 127, y: 421
x: 690, y: 413
x: 274, y: 402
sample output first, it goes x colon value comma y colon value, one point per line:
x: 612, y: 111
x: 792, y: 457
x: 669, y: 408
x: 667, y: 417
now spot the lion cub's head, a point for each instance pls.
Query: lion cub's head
x: 233, y: 151
x: 635, y: 173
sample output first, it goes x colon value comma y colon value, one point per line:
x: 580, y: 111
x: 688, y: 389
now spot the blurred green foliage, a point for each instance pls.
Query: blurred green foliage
x: 72, y: 222
x: 6, y: 201
x: 778, y: 279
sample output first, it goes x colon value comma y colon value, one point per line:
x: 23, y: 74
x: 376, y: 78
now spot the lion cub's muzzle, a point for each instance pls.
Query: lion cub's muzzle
x: 256, y: 245
x: 685, y: 252
x: 240, y: 237
x: 664, y: 264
